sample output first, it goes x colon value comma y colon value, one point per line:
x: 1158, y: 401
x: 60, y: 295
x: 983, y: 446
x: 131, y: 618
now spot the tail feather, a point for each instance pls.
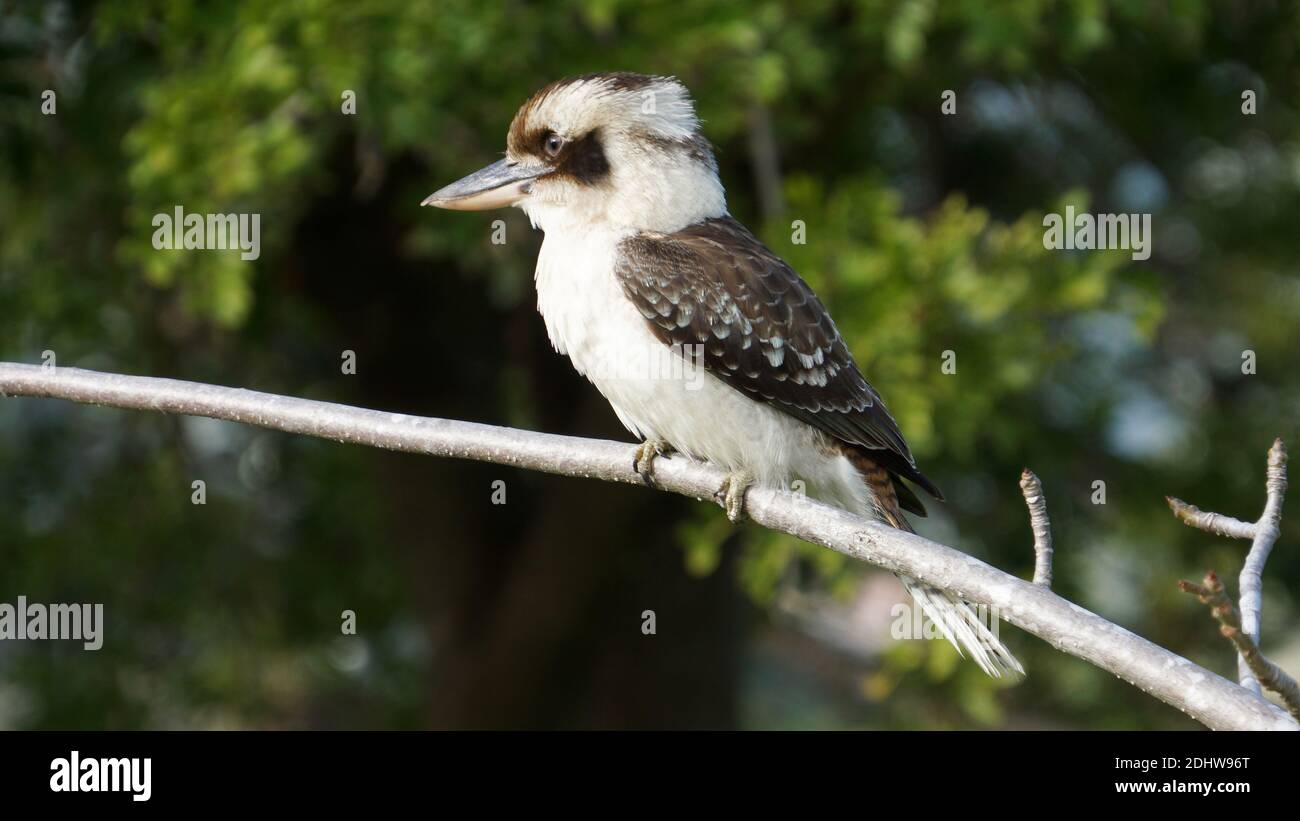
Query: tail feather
x: 960, y: 625
x: 956, y: 619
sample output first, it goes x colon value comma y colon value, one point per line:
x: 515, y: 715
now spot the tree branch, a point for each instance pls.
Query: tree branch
x: 1263, y: 535
x: 1032, y: 489
x: 1274, y: 678
x: 1215, y: 523
x: 1203, y: 695
x: 1267, y: 530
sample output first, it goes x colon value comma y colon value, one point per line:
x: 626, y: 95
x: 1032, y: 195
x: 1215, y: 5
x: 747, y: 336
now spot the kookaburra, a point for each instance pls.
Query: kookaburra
x: 641, y: 262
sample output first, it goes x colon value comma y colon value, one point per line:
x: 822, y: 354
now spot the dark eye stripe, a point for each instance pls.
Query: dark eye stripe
x: 583, y: 160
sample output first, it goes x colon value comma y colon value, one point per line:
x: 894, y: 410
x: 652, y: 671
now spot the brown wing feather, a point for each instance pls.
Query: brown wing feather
x: 764, y: 332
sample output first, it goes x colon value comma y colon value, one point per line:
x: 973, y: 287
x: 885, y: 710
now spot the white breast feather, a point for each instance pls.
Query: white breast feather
x: 589, y: 319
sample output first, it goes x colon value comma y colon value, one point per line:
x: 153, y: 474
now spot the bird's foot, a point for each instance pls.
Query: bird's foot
x: 644, y: 462
x: 731, y: 495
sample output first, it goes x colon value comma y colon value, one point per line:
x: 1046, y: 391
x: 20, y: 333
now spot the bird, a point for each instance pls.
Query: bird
x: 703, y: 340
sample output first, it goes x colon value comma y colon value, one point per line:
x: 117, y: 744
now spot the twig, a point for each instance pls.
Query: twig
x: 1215, y: 523
x: 1267, y: 530
x: 1263, y: 535
x: 1203, y: 695
x: 1032, y: 489
x: 1272, y: 677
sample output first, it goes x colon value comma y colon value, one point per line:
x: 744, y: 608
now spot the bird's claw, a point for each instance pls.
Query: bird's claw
x: 731, y: 495
x: 644, y: 461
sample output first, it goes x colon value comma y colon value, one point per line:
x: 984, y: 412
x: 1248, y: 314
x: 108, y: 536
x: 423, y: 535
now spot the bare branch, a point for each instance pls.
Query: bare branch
x: 1272, y: 677
x: 1215, y: 523
x: 1263, y: 535
x: 1203, y: 695
x: 1267, y: 530
x: 1032, y: 489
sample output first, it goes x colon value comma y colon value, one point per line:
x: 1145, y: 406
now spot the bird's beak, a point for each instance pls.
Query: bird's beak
x: 502, y: 183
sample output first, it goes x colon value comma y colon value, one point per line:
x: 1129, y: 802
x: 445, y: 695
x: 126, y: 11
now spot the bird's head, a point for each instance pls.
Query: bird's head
x: 622, y: 150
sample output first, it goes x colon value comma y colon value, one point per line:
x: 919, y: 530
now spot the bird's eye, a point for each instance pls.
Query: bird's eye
x: 554, y: 142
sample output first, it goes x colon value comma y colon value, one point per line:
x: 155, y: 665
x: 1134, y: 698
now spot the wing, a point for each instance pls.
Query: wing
x: 763, y: 331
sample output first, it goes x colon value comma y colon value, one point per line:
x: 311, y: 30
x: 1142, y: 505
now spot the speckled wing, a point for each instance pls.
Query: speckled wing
x: 763, y: 331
